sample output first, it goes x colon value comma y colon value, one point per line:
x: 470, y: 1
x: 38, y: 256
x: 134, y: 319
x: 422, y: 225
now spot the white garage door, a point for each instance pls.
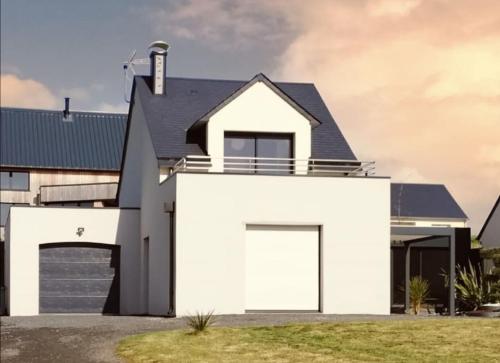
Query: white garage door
x: 282, y: 268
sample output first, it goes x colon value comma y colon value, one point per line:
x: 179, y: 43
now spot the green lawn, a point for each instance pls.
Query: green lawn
x: 429, y: 340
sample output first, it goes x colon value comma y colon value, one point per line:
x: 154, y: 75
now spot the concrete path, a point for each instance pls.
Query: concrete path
x: 93, y: 338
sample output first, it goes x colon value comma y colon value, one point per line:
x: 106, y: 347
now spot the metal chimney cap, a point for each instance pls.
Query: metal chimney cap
x: 160, y: 45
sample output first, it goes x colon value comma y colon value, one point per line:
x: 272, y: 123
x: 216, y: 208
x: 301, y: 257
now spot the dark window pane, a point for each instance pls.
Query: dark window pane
x: 20, y: 181
x: 4, y: 180
x: 275, y: 147
x: 239, y: 146
x: 13, y: 180
x: 258, y: 146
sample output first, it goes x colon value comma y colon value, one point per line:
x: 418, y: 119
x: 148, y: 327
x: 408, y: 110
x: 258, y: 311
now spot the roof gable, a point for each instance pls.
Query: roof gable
x: 188, y: 100
x: 258, y: 78
x: 488, y: 219
x: 424, y: 201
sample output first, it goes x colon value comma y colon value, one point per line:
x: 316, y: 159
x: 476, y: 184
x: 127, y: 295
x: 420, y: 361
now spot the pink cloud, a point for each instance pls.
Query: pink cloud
x: 414, y: 85
x: 26, y: 93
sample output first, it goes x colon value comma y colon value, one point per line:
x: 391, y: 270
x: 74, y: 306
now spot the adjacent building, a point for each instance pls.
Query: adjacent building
x: 490, y: 232
x: 59, y: 158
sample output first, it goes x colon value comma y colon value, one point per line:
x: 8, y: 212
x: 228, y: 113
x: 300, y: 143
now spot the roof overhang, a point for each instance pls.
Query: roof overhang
x: 258, y: 78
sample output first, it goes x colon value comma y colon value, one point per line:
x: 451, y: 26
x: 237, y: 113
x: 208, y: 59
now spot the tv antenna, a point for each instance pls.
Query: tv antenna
x: 158, y: 46
x: 129, y: 71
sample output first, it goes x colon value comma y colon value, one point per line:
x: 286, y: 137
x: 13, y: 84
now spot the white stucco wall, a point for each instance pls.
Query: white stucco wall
x: 258, y: 109
x: 133, y: 173
x: 31, y: 226
x: 353, y: 213
x: 141, y: 188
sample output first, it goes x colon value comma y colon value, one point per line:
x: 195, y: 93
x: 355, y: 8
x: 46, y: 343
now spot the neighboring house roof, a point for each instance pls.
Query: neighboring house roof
x: 424, y: 201
x: 188, y: 100
x: 41, y: 139
x: 493, y: 210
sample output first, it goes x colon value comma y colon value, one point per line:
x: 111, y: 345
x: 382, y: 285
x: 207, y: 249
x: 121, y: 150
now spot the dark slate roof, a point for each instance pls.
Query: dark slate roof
x: 41, y: 139
x: 423, y: 201
x: 188, y: 99
x: 493, y: 210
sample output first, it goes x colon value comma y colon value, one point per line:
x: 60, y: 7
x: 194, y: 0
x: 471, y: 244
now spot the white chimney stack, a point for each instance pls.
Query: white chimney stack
x: 158, y: 56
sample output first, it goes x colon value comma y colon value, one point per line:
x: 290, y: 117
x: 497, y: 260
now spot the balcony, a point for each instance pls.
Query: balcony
x: 275, y: 166
x: 78, y: 192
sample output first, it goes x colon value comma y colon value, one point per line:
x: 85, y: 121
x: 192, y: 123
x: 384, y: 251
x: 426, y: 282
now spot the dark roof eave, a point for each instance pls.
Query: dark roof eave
x: 39, y: 167
x: 258, y: 78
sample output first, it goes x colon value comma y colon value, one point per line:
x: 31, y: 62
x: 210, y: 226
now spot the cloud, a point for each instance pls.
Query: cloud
x: 222, y: 23
x: 392, y: 7
x: 77, y: 93
x: 414, y: 85
x: 26, y: 93
x: 113, y: 108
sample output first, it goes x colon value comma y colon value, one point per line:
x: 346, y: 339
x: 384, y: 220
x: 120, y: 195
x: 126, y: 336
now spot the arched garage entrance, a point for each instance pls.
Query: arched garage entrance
x: 79, y: 278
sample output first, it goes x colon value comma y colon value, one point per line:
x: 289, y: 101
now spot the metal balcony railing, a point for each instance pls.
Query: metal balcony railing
x: 279, y: 166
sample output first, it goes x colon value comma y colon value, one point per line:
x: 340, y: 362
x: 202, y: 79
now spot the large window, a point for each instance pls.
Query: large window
x: 239, y: 146
x: 14, y: 180
x: 4, y: 211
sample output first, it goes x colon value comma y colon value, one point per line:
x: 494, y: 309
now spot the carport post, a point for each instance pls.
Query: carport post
x: 452, y: 273
x: 407, y: 277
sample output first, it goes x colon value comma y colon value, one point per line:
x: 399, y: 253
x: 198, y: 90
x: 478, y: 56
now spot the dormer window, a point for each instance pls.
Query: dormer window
x: 244, y: 150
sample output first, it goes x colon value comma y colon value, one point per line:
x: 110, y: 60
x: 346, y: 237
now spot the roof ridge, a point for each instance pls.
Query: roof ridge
x: 21, y: 109
x: 228, y: 80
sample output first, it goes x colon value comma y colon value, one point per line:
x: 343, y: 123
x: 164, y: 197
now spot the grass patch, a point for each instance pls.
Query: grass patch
x: 450, y: 340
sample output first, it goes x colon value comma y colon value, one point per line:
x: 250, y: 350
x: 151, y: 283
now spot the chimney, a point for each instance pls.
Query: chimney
x: 158, y: 57
x: 66, y: 114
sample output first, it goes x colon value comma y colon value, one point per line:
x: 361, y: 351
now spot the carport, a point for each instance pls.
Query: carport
x: 457, y: 241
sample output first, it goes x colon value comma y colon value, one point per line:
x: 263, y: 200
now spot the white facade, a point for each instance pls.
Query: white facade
x: 197, y: 241
x: 353, y: 214
x: 54, y: 225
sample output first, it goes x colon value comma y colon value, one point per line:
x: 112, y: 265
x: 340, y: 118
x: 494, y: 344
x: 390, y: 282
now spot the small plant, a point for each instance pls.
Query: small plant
x: 473, y: 290
x: 200, y: 321
x: 419, y: 290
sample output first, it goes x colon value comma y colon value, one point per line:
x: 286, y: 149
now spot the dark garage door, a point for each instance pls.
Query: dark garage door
x: 79, y: 278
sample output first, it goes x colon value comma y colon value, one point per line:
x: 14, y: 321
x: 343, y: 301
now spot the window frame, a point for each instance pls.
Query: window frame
x: 255, y: 136
x: 11, y: 171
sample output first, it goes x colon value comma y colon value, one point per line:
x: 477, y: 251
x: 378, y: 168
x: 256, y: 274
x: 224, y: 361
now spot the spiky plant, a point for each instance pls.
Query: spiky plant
x: 200, y: 321
x: 473, y: 290
x: 419, y: 290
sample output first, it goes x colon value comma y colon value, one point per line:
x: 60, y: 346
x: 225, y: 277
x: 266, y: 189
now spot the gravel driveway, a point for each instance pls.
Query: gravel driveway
x: 93, y: 338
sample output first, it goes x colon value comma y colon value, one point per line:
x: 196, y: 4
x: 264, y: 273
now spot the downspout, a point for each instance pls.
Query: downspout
x: 171, y: 309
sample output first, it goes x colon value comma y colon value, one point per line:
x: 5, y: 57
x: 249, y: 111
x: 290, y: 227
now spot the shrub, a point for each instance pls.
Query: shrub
x: 472, y: 289
x: 419, y: 290
x: 200, y: 321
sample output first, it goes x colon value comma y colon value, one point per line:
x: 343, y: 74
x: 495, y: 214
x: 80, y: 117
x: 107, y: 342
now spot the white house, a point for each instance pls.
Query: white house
x: 233, y: 196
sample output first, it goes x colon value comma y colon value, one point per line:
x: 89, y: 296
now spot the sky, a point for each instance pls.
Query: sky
x: 413, y: 84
